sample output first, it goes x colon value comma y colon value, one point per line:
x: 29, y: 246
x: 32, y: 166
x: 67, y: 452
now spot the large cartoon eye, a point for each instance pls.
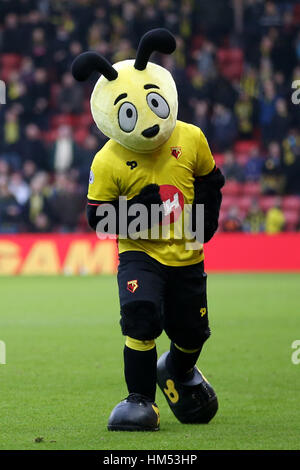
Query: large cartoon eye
x: 158, y: 105
x: 127, y: 117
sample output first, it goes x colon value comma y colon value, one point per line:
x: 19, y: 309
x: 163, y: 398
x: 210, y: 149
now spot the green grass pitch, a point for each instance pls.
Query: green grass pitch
x: 64, y: 370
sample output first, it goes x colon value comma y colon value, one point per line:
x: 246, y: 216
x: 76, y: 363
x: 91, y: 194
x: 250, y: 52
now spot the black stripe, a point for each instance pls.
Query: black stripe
x: 120, y: 97
x: 150, y: 85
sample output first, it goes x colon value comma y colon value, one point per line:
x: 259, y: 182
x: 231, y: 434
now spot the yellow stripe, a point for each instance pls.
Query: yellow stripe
x: 157, y: 412
x: 139, y: 345
x: 189, y: 351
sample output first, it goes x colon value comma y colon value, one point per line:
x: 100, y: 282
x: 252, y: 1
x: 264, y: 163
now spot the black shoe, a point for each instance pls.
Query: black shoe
x: 135, y: 413
x: 193, y: 399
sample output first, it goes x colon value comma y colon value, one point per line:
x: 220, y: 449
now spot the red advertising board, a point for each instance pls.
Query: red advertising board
x: 57, y: 254
x: 86, y: 254
x: 246, y: 252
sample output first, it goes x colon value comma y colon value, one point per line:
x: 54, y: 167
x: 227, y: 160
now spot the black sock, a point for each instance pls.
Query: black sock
x: 140, y: 371
x: 180, y: 362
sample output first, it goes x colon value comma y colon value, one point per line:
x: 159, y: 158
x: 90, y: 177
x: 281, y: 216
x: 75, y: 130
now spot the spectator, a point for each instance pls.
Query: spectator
x: 74, y: 50
x: 255, y: 219
x: 233, y: 221
x: 272, y: 179
x: 254, y: 165
x: 275, y: 219
x: 4, y: 168
x: 267, y: 110
x: 19, y: 188
x: 205, y: 59
x: 271, y: 16
x: 88, y: 151
x: 222, y: 91
x: 231, y: 168
x: 9, y: 209
x: 39, y: 93
x: 281, y: 121
x: 32, y: 147
x: 224, y: 129
x: 37, y: 211
x: 64, y: 153
x: 40, y: 87
x: 11, y: 130
x: 26, y: 72
x: 291, y: 162
x: 201, y: 117
x: 38, y: 47
x: 244, y: 111
x: 67, y: 204
x: 70, y: 98
x: 11, y: 34
x: 250, y: 82
x: 281, y: 87
x: 29, y: 169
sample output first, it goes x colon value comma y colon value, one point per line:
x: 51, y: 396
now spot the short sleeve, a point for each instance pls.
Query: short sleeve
x: 205, y: 162
x: 102, y: 185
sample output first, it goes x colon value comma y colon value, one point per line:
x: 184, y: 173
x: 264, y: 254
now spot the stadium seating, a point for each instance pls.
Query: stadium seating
x: 228, y: 201
x: 80, y: 124
x: 245, y: 146
x: 251, y: 189
x: 219, y: 159
x: 296, y: 14
x: 228, y: 57
x: 230, y: 63
x: 244, y: 203
x: 232, y: 188
x: 9, y: 63
x: 292, y: 218
x: 291, y: 203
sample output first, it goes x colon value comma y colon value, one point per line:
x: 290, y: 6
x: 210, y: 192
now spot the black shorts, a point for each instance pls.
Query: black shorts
x: 177, y: 296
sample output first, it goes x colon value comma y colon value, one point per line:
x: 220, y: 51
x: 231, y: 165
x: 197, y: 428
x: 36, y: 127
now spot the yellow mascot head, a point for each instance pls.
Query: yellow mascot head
x: 134, y: 102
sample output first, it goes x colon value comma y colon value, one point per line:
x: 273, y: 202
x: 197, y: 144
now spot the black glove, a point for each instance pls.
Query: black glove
x: 148, y: 195
x: 208, y: 192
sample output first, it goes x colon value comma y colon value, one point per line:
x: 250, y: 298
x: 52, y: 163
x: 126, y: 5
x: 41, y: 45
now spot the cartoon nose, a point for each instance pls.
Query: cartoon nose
x: 151, y: 131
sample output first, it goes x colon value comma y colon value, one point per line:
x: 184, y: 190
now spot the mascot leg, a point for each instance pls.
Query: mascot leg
x: 138, y: 412
x: 140, y: 289
x: 190, y: 397
x: 188, y: 393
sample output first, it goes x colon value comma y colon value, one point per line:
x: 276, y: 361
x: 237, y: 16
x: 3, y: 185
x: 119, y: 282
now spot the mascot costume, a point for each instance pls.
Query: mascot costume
x: 154, y: 159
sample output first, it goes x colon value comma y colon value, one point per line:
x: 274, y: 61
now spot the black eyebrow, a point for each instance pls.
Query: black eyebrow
x: 150, y: 85
x: 120, y: 97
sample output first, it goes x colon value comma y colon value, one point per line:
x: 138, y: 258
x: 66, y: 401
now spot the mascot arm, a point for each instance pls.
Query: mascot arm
x: 208, y: 192
x: 148, y: 195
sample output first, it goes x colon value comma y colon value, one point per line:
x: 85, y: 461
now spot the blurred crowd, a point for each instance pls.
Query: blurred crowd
x: 236, y: 68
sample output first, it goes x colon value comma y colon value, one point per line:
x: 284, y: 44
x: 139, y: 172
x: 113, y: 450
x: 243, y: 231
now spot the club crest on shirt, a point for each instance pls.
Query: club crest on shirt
x: 132, y: 285
x: 176, y: 152
x: 92, y: 177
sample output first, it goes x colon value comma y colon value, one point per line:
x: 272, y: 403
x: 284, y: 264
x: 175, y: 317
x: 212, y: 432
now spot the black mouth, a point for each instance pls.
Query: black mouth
x: 151, y: 131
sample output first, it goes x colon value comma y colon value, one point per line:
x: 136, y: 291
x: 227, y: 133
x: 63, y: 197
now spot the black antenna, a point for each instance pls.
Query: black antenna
x: 88, y: 62
x: 160, y: 40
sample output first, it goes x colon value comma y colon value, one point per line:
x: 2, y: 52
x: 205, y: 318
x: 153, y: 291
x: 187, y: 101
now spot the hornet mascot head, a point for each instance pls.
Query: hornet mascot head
x: 134, y: 102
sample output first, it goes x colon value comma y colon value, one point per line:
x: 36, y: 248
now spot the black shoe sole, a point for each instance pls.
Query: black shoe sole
x: 207, y: 414
x: 131, y: 428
